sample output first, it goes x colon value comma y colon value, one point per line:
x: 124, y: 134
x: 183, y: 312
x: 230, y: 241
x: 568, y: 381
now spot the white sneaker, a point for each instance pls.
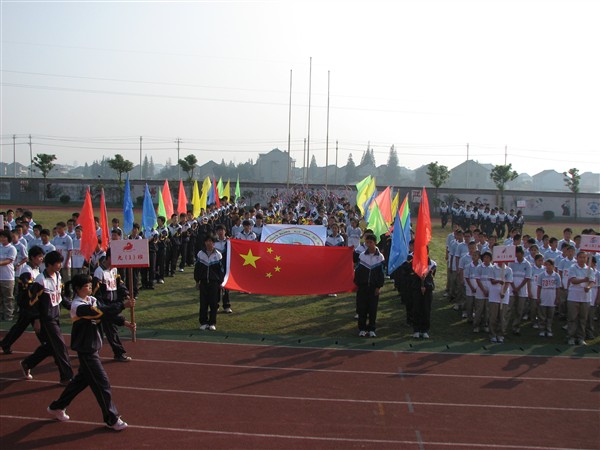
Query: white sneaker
x: 119, y: 425
x: 536, y: 326
x: 494, y: 340
x: 571, y: 341
x: 549, y: 333
x: 356, y: 316
x: 464, y: 315
x: 565, y: 327
x: 332, y: 295
x: 542, y: 334
x: 372, y: 334
x: 501, y: 339
x: 26, y: 371
x: 60, y: 414
x: 455, y: 307
x: 204, y: 327
x: 581, y: 342
x: 416, y: 335
x: 425, y: 335
x: 179, y: 270
x: 212, y: 328
x: 228, y: 310
x: 362, y: 334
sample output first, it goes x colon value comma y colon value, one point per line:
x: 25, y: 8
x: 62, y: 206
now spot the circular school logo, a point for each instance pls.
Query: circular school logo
x: 593, y: 208
x: 294, y: 235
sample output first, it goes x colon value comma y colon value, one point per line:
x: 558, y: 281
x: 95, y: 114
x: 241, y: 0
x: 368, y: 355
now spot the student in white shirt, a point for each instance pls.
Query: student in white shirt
x: 483, y: 275
x: 521, y: 272
x: 498, y: 301
x: 548, y: 287
x: 536, y: 270
x: 594, y: 300
x: 579, y: 294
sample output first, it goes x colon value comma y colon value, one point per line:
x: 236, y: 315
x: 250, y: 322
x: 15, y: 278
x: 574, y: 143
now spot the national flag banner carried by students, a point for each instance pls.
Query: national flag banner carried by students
x: 196, y: 204
x: 400, y: 238
x: 89, y: 239
x: 182, y: 200
x: 167, y: 200
x: 128, y: 218
x: 220, y: 187
x: 105, y: 235
x: 420, y: 261
x: 395, y: 204
x: 283, y: 269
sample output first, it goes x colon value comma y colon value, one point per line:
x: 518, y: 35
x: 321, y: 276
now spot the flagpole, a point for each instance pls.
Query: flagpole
x: 327, y: 135
x: 289, y: 133
x: 308, y: 136
x: 131, y: 309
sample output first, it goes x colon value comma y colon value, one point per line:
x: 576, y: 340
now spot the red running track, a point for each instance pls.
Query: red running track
x: 222, y: 396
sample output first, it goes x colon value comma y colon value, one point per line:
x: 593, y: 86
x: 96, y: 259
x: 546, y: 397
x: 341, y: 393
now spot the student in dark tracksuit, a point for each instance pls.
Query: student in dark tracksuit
x: 110, y: 289
x: 86, y: 314
x: 208, y: 274
x: 369, y: 278
x: 221, y: 246
x: 27, y: 316
x: 422, y: 288
x: 46, y: 299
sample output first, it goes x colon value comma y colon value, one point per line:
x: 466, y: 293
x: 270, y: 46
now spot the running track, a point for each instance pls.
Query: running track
x: 223, y: 396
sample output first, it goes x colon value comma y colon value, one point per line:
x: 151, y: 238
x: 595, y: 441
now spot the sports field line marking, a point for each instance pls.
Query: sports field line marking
x: 419, y: 439
x: 289, y: 436
x: 408, y: 401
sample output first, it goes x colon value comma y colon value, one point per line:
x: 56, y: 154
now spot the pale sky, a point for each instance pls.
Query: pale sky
x: 87, y: 79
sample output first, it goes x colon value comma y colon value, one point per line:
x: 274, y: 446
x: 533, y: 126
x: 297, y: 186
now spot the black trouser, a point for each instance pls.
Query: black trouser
x: 225, y: 298
x: 160, y: 263
x: 91, y: 373
x: 444, y: 220
x: 183, y: 250
x: 367, y: 303
x: 53, y: 345
x: 172, y: 256
x: 191, y: 252
x: 15, y: 332
x: 111, y: 331
x: 209, y: 297
x: 148, y: 273
x: 407, y: 301
x: 422, y: 311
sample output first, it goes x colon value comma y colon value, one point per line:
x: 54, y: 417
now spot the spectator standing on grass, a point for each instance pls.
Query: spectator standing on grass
x: 469, y: 274
x: 581, y: 280
x: 537, y: 269
x: 86, y: 313
x: 521, y: 272
x: 369, y: 278
x: 8, y: 256
x: 594, y: 300
x: 422, y: 296
x: 46, y: 300
x: 221, y: 246
x: 483, y: 275
x: 208, y: 275
x: 498, y: 302
x: 548, y: 289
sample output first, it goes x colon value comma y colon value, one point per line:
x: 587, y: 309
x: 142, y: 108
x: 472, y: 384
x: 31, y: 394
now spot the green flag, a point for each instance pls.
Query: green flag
x: 220, y: 187
x: 161, y: 211
x: 363, y: 192
x: 377, y: 222
x: 237, y: 189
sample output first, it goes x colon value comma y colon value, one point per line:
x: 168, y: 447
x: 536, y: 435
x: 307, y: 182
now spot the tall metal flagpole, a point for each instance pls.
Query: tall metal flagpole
x: 290, y: 133
x: 327, y: 135
x: 308, y: 136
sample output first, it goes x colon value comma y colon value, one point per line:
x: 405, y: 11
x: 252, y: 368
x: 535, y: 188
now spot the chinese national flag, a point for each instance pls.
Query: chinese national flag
x: 286, y: 269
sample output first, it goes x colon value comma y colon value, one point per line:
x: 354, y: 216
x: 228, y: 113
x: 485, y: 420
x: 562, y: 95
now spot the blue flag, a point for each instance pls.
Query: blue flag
x: 148, y: 213
x: 367, y: 205
x: 127, y: 209
x: 211, y: 194
x: 400, y: 240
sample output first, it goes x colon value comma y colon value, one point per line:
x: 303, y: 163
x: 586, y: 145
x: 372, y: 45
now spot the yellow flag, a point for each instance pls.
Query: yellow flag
x: 395, y: 203
x: 364, y: 192
x: 196, y: 200
x: 227, y: 191
x: 205, y: 188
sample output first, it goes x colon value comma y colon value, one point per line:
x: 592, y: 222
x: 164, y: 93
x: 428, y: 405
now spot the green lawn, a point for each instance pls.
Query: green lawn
x: 173, y: 307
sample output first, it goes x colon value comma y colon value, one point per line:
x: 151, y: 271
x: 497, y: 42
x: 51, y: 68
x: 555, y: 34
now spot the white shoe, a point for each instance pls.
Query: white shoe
x: 542, y: 334
x: 549, y: 333
x: 362, y: 334
x: 416, y: 335
x: 212, y: 328
x: 494, y: 340
x: 204, y: 327
x: 464, y: 315
x: 425, y: 335
x: 581, y: 342
x: 356, y: 316
x: 228, y: 310
x: 372, y: 334
x: 60, y: 414
x: 179, y: 270
x: 119, y: 425
x: 332, y: 295
x: 565, y: 327
x: 536, y: 326
x: 455, y: 308
x: 501, y: 339
x: 571, y: 341
x: 26, y: 371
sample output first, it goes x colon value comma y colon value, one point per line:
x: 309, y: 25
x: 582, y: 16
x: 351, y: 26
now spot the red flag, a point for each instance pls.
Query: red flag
x: 105, y: 237
x: 384, y: 201
x: 422, y: 237
x: 167, y: 200
x: 217, y: 193
x: 182, y: 199
x: 89, y: 239
x: 286, y: 269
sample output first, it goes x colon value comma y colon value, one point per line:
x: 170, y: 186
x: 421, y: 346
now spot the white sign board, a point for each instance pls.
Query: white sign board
x: 504, y: 253
x: 416, y: 195
x: 294, y: 234
x: 521, y: 204
x: 130, y: 253
x: 590, y: 243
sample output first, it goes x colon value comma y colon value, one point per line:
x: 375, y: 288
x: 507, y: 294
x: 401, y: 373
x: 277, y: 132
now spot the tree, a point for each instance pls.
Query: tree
x: 392, y: 170
x: 438, y: 175
x: 145, y: 168
x: 500, y: 175
x: 43, y: 162
x: 368, y: 158
x: 313, y: 162
x: 350, y: 170
x: 120, y: 165
x: 572, y: 180
x: 188, y: 165
x: 151, y: 169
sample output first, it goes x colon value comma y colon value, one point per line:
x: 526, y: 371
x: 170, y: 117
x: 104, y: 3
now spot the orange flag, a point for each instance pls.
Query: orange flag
x: 167, y: 200
x: 105, y: 237
x: 384, y: 201
x: 420, y: 261
x: 217, y: 193
x: 89, y: 239
x: 181, y: 199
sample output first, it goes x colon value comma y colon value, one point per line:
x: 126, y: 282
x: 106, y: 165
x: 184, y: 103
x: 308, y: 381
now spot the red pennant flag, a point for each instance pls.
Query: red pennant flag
x: 286, y: 269
x: 422, y: 237
x: 89, y: 239
x: 167, y: 200
x: 181, y: 199
x: 217, y: 193
x: 105, y: 237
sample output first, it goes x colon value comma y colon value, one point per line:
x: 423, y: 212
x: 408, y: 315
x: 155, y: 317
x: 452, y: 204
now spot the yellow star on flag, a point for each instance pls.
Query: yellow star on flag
x: 269, y: 250
x: 277, y: 269
x: 278, y: 258
x: 250, y: 259
x: 269, y: 275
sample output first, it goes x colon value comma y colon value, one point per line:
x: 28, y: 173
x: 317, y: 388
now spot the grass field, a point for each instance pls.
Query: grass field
x: 174, y: 305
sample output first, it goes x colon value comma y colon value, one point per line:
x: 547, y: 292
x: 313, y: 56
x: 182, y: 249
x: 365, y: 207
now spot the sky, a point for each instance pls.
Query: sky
x: 499, y: 79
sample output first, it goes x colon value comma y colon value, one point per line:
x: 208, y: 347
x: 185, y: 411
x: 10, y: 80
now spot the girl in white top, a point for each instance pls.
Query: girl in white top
x: 354, y: 233
x: 536, y: 270
x: 548, y: 286
x: 499, y: 300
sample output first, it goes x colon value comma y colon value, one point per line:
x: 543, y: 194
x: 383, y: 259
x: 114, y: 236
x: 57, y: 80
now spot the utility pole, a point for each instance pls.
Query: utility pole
x: 30, y: 159
x: 308, y: 137
x: 141, y: 167
x: 505, y: 153
x: 304, y: 166
x: 179, y: 172
x: 336, y: 163
x: 14, y: 155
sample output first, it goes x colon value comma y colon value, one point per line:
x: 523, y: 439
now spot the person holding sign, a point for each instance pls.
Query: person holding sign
x: 86, y: 313
x: 581, y: 281
x: 498, y: 301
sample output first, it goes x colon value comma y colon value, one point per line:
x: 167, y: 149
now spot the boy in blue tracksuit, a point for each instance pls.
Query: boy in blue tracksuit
x: 369, y: 278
